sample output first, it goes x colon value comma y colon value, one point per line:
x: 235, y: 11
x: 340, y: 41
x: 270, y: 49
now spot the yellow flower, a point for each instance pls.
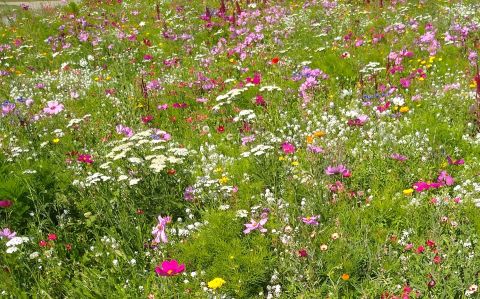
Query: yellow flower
x: 345, y: 276
x: 295, y: 163
x: 408, y: 191
x: 223, y: 180
x: 216, y: 283
x: 218, y: 169
x: 56, y: 140
x: 404, y: 109
x: 281, y: 158
x: 444, y: 164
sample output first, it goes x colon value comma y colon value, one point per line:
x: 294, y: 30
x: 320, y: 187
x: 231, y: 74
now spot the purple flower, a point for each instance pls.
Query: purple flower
x: 159, y: 231
x: 7, y: 108
x: 53, y: 107
x: 188, y: 194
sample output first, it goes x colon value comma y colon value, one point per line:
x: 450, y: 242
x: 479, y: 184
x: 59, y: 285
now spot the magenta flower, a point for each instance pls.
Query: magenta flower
x: 7, y: 233
x: 5, y: 203
x: 455, y: 162
x: 359, y: 121
x: 84, y: 158
x: 312, y: 220
x: 159, y: 231
x: 170, y: 268
x: 254, y: 225
x: 53, y: 107
x: 288, y: 148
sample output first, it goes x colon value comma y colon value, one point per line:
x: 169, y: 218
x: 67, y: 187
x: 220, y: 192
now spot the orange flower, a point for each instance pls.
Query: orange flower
x: 345, y: 276
x: 309, y: 139
x: 319, y: 134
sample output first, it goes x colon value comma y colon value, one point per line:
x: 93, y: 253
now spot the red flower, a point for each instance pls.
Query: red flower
x: 68, y: 246
x: 171, y: 171
x: 302, y: 253
x: 42, y: 243
x: 437, y: 259
x: 275, y: 60
x: 147, y: 119
x: 430, y: 243
x: 420, y: 249
x: 431, y: 283
x: 220, y: 129
x: 52, y: 237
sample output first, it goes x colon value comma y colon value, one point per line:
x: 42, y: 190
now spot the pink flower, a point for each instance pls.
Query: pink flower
x: 455, y: 162
x: 445, y: 179
x: 159, y: 231
x: 312, y: 220
x: 170, y: 268
x: 7, y: 233
x: 288, y: 148
x: 248, y: 139
x: 5, y: 203
x: 53, y: 107
x: 340, y: 169
x: 121, y: 129
x: 254, y: 225
x: 398, y: 157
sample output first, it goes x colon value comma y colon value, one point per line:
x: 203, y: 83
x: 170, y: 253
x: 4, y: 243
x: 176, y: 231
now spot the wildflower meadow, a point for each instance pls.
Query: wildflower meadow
x: 240, y: 149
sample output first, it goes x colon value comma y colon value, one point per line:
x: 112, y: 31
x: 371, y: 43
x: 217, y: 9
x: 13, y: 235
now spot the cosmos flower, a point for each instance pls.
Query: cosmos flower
x: 254, y: 225
x: 170, y: 268
x: 159, y: 231
x: 312, y: 220
x: 53, y: 107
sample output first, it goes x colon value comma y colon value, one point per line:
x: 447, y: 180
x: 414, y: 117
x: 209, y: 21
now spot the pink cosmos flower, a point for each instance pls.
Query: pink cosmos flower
x: 455, y: 162
x: 312, y: 220
x: 53, y: 107
x: 315, y: 149
x: 288, y: 148
x: 159, y: 231
x: 254, y: 225
x: 121, y: 129
x: 359, y: 121
x: 248, y: 139
x: 255, y: 80
x: 170, y: 268
x: 445, y: 179
x: 340, y: 169
x: 7, y: 233
x: 398, y: 157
